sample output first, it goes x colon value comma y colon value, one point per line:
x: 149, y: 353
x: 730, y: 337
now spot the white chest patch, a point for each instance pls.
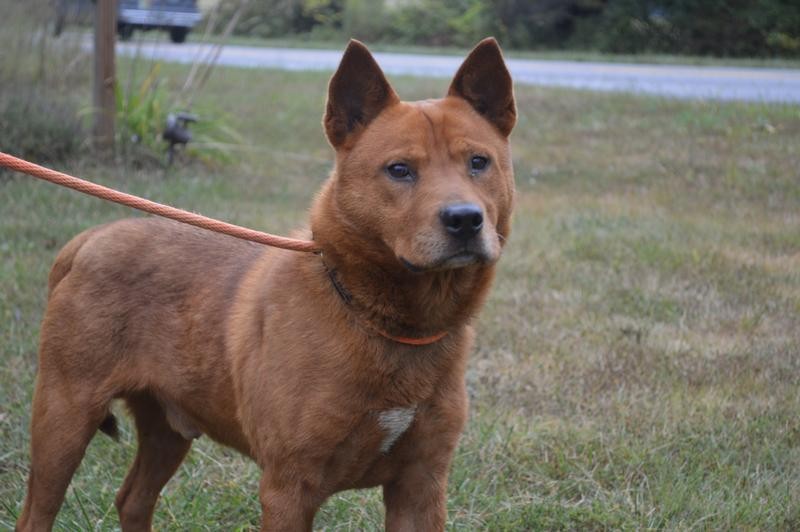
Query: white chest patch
x: 394, y: 423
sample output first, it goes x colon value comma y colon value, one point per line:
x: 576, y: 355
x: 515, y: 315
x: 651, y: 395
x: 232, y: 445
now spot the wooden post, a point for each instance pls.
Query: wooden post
x: 105, y: 33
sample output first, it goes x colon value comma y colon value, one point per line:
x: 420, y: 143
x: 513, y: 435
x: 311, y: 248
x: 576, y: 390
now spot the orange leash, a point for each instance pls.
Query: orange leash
x: 129, y: 200
x: 159, y: 209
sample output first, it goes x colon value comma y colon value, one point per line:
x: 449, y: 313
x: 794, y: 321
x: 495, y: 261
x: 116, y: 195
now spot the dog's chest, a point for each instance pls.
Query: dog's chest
x: 393, y: 423
x: 365, y: 456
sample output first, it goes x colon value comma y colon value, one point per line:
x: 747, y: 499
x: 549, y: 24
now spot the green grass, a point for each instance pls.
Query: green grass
x: 637, y: 365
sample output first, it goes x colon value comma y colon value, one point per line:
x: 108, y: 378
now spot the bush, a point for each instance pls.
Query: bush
x: 142, y: 110
x: 440, y: 23
x: 277, y: 18
x: 699, y: 27
x: 364, y: 19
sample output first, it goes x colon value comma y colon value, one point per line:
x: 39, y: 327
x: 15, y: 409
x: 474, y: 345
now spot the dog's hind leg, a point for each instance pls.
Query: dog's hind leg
x: 64, y: 420
x: 161, y: 450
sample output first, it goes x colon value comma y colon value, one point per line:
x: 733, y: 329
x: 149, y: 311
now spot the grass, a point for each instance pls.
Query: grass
x: 637, y: 364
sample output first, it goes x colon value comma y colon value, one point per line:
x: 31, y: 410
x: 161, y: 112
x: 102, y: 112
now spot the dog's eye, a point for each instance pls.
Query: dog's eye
x: 399, y: 171
x: 478, y: 163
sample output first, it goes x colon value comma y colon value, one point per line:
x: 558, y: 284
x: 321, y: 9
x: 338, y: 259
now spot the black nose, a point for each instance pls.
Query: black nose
x: 462, y: 220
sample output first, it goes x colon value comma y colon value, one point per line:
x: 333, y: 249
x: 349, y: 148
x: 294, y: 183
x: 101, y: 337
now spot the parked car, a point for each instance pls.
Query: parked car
x: 175, y: 16
x: 75, y: 12
x: 178, y: 17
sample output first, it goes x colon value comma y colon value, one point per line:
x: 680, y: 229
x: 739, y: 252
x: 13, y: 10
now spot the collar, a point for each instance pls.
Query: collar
x: 427, y: 340
x: 347, y: 298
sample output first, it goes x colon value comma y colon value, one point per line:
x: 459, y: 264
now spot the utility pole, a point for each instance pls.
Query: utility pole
x: 105, y: 32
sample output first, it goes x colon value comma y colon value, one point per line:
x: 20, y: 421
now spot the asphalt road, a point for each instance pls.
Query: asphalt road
x: 686, y: 82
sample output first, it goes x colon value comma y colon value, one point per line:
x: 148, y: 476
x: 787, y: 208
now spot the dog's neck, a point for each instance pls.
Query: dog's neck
x: 404, y: 304
x: 374, y: 285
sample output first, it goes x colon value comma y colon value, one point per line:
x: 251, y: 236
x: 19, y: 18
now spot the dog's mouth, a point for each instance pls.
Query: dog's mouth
x: 458, y: 260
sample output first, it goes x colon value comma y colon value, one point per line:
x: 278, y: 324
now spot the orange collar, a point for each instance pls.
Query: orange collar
x: 347, y: 298
x: 428, y: 340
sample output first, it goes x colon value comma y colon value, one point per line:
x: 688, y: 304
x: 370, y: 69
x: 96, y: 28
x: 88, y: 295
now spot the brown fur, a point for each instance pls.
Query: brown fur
x: 204, y: 334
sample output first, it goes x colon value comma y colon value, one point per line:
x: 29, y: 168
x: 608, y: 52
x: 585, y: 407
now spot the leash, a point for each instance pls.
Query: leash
x: 198, y: 220
x: 159, y: 209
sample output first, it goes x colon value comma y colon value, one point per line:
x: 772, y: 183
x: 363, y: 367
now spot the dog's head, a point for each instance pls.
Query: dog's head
x: 432, y: 180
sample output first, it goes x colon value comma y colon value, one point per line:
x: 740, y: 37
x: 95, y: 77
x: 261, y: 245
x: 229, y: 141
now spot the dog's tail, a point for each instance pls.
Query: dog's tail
x: 109, y: 426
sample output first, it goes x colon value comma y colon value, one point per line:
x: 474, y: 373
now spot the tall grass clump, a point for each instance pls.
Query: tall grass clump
x: 143, y: 106
x: 41, y: 114
x: 34, y: 126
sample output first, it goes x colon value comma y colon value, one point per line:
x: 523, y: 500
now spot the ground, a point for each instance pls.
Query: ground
x: 637, y: 364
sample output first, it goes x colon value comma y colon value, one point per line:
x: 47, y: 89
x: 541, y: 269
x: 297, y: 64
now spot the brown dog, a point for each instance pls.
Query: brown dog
x: 333, y: 371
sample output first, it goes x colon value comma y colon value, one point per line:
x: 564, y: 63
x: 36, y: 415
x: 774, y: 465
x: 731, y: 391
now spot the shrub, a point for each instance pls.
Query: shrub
x: 142, y: 110
x: 705, y: 27
x: 364, y: 19
x: 440, y: 23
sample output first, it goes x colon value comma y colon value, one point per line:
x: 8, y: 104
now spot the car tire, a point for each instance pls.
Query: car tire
x: 125, y: 32
x: 178, y: 35
x: 58, y: 29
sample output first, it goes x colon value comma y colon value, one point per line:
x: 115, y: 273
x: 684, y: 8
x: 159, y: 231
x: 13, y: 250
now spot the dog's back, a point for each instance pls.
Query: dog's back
x: 144, y: 302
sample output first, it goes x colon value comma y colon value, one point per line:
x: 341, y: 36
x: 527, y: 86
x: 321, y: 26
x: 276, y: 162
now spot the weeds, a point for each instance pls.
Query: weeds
x: 142, y: 116
x: 142, y: 112
x: 143, y: 106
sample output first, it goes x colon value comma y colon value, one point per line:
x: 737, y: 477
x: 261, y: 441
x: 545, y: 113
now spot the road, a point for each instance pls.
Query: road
x: 686, y: 82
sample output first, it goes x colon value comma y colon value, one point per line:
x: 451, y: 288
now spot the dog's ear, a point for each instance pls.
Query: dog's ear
x: 357, y: 93
x: 483, y: 80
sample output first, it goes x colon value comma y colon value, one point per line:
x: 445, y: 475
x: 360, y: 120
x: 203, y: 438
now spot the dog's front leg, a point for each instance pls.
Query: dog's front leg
x: 287, y: 506
x: 416, y: 499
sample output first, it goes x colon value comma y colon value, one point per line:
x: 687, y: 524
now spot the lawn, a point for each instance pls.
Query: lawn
x: 637, y: 364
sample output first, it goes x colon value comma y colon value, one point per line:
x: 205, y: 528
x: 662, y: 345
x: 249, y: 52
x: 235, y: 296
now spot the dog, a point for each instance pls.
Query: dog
x: 336, y: 370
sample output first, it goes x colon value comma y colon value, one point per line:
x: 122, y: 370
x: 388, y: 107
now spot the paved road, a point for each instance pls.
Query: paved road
x: 687, y: 82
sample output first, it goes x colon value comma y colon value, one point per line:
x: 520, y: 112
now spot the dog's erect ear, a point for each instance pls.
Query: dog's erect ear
x: 357, y: 93
x: 483, y: 80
